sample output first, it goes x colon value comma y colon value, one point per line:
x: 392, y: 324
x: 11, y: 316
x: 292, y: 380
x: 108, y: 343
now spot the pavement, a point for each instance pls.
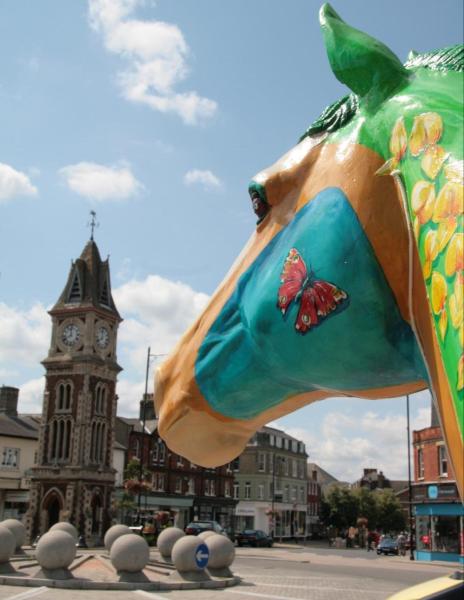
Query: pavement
x: 284, y: 572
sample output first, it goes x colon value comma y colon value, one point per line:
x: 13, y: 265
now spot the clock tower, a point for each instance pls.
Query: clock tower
x: 73, y: 479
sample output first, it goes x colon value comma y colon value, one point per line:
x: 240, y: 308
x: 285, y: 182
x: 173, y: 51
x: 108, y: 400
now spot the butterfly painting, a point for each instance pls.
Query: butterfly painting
x: 317, y: 298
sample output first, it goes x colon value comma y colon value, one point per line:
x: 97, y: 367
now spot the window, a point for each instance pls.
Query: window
x: 261, y: 461
x: 227, y: 489
x: 286, y: 493
x: 135, y: 444
x: 159, y: 482
x: 301, y: 467
x: 236, y: 490
x: 272, y: 440
x: 442, y: 461
x: 207, y: 487
x: 302, y: 495
x: 155, y: 453
x: 178, y: 485
x: 63, y: 397
x: 10, y: 458
x: 294, y: 491
x: 420, y: 463
x: 191, y: 486
x: 236, y: 464
x: 59, y: 448
x: 295, y: 468
x: 100, y: 399
x: 193, y: 465
x: 75, y: 291
x: 260, y: 491
x: 212, y: 487
x: 180, y: 461
x: 247, y: 490
x: 279, y: 442
x: 285, y: 461
x: 162, y: 452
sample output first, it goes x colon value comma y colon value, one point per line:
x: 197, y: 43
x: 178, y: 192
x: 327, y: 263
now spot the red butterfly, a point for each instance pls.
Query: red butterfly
x: 318, y: 298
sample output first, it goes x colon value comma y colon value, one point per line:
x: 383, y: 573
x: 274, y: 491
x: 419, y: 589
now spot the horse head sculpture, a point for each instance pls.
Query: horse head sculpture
x: 352, y: 283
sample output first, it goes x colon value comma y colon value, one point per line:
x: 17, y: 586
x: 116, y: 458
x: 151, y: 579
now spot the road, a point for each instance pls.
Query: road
x: 282, y: 573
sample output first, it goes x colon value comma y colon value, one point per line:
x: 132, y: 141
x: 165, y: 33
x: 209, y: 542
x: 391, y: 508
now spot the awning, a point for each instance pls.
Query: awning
x: 151, y: 501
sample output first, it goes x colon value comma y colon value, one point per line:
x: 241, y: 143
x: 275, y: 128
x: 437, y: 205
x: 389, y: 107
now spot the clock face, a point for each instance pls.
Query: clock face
x: 102, y: 337
x: 70, y: 335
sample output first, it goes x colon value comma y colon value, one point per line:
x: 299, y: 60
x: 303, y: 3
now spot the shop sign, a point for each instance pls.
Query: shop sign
x: 244, y: 511
x: 432, y: 492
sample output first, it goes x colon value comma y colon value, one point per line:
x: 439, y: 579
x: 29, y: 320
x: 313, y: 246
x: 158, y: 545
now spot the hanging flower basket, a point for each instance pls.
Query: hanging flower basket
x: 134, y: 486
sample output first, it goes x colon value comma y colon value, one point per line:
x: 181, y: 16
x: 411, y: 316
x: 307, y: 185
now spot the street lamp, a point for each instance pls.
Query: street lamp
x: 411, y: 550
x: 142, y: 451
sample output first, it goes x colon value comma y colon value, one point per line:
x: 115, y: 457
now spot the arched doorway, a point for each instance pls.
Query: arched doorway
x: 52, y: 505
x: 96, y: 514
x: 53, y: 512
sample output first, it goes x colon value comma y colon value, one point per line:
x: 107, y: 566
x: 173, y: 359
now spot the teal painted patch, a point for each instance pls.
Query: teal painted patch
x: 253, y: 358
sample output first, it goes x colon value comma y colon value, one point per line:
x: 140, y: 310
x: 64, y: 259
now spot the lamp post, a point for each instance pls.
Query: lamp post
x: 142, y: 450
x: 411, y: 550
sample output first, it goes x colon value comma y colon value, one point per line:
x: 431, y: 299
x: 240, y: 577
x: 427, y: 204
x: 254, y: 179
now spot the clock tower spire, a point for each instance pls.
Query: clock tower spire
x: 74, y: 476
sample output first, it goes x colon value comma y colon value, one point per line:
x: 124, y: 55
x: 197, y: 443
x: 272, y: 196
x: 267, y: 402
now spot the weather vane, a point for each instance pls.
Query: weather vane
x: 93, y: 223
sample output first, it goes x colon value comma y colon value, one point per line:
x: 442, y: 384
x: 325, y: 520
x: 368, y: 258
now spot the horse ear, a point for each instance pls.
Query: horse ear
x: 361, y: 62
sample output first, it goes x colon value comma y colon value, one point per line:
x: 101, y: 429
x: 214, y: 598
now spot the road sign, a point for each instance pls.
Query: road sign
x: 202, y: 556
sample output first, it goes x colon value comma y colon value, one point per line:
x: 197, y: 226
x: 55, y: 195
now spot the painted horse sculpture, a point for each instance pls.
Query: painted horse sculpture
x: 352, y: 283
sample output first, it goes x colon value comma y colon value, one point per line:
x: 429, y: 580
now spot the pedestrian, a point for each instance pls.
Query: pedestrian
x: 370, y: 540
x: 401, y: 541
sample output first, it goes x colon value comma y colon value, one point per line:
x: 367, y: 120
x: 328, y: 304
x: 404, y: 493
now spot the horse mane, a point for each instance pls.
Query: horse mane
x: 342, y: 111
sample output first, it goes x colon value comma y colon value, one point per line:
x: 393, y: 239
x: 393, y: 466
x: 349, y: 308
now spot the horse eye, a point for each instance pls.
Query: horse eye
x: 260, y: 206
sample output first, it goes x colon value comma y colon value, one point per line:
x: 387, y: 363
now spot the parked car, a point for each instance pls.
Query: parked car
x: 387, y: 546
x: 254, y: 537
x: 196, y: 527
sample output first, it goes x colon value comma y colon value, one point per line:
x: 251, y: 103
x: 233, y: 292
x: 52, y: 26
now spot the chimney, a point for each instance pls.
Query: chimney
x: 9, y: 401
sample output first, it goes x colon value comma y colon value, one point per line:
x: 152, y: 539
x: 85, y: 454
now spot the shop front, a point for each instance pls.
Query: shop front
x: 440, y: 532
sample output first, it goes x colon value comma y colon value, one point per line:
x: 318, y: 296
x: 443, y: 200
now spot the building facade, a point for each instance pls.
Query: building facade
x: 18, y: 449
x: 175, y: 485
x: 74, y: 476
x: 439, y: 512
x: 271, y: 485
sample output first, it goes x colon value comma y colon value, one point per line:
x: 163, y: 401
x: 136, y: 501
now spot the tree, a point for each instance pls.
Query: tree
x: 342, y: 508
x: 390, y: 515
x: 132, y: 470
x: 367, y: 506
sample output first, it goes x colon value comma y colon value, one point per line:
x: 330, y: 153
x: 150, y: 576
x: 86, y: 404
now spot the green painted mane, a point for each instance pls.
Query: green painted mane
x: 342, y: 111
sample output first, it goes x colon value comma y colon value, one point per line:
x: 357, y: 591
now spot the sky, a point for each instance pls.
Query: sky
x: 156, y: 115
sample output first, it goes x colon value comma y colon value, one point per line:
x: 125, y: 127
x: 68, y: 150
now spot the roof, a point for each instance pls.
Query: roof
x: 150, y: 424
x: 88, y: 282
x: 22, y: 426
x: 273, y: 430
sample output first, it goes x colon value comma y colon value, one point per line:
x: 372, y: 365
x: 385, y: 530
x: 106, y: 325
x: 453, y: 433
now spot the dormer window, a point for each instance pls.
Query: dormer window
x: 105, y: 293
x: 75, y: 294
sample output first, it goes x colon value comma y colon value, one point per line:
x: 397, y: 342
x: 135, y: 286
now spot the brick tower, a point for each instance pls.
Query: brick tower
x: 74, y: 478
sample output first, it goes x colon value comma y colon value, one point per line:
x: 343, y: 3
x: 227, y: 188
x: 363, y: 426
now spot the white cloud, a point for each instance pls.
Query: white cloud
x: 101, y: 183
x: 156, y: 313
x: 14, y: 183
x: 156, y: 53
x: 205, y: 178
x: 31, y: 396
x: 346, y: 443
x: 24, y: 335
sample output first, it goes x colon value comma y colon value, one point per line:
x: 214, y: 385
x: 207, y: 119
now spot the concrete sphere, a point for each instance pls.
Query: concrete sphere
x: 166, y: 540
x: 129, y: 553
x: 221, y: 551
x: 206, y: 534
x: 113, y: 533
x: 55, y: 550
x: 7, y: 544
x: 184, y: 553
x: 65, y: 526
x: 17, y: 529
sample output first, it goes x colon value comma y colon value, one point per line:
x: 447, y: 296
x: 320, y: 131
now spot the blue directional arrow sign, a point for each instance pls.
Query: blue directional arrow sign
x: 202, y: 556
